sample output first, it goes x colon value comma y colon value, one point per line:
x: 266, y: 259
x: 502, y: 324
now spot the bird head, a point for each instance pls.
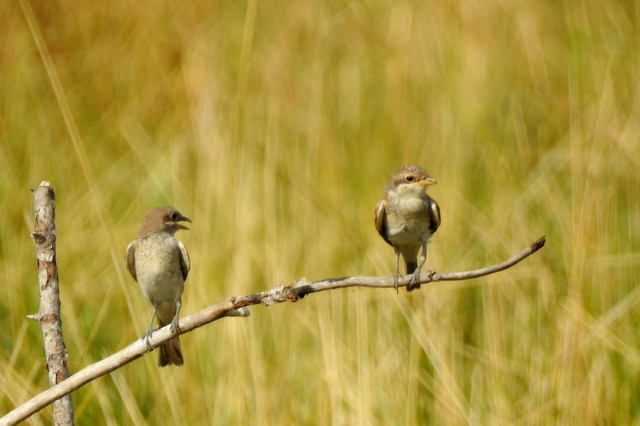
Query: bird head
x: 162, y: 219
x: 410, y: 179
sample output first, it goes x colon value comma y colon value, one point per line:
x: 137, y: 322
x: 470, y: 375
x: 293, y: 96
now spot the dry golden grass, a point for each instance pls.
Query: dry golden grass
x: 274, y: 126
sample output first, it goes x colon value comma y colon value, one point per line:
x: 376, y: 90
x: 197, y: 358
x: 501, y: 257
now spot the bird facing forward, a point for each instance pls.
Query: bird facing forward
x: 406, y: 218
x: 160, y: 264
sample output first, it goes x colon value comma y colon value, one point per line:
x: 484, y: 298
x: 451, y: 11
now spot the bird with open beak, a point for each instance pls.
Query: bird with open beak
x: 160, y: 264
x: 406, y: 218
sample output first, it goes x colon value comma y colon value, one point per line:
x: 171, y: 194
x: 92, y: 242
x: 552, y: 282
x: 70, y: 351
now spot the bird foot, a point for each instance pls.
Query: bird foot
x: 147, y: 338
x: 415, y: 278
x: 174, y: 327
x: 396, y: 277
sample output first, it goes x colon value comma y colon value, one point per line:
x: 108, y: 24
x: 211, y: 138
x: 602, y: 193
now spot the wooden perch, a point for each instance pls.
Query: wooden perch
x: 236, y: 306
x: 44, y: 237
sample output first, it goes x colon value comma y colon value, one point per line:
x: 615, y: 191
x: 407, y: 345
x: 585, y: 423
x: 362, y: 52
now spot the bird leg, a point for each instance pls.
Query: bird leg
x: 176, y: 318
x: 415, y: 278
x: 147, y: 335
x: 397, y: 275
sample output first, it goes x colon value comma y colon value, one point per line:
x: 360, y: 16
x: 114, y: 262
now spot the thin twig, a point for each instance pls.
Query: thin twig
x: 236, y: 306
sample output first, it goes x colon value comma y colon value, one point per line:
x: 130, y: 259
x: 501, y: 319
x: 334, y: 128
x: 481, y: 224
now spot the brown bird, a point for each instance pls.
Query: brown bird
x: 406, y: 219
x: 160, y: 264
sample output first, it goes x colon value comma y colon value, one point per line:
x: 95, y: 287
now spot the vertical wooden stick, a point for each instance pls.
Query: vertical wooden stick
x: 44, y: 237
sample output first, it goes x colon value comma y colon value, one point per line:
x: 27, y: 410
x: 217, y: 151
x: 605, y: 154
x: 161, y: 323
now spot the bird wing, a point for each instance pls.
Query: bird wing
x: 185, y: 263
x: 131, y: 259
x: 434, y: 210
x: 380, y: 219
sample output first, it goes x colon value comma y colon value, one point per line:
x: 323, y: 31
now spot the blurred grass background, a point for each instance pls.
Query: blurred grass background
x: 275, y: 126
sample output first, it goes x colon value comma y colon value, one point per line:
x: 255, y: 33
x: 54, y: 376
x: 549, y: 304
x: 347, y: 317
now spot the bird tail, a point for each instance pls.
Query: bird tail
x: 411, y: 268
x: 170, y: 353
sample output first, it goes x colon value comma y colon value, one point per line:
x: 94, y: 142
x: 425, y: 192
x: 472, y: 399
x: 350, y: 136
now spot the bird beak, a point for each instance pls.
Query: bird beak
x: 427, y: 181
x: 182, y: 219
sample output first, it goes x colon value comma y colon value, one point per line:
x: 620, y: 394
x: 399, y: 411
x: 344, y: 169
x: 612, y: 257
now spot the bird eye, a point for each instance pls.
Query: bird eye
x: 410, y: 178
x: 174, y: 216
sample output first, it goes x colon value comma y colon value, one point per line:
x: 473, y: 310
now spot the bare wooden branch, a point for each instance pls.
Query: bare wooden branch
x: 44, y: 237
x: 236, y: 306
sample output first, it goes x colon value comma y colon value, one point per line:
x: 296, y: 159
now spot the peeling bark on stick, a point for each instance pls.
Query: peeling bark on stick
x: 44, y: 237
